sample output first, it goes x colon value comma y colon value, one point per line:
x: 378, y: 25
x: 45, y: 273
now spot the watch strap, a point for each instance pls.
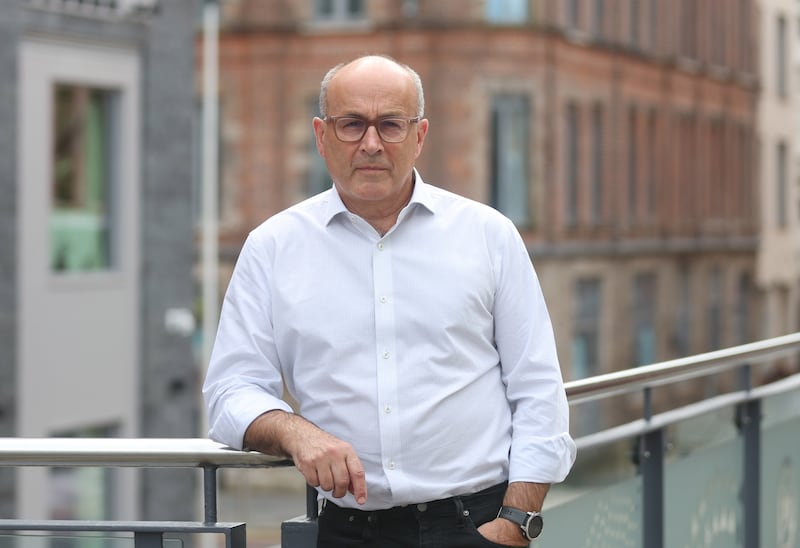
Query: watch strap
x: 524, y: 520
x: 512, y: 514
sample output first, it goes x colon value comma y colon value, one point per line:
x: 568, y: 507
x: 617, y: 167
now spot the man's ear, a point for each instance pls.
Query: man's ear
x: 319, y: 132
x: 422, y: 131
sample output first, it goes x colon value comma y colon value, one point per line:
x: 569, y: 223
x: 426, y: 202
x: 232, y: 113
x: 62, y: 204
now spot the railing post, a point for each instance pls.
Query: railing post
x: 237, y: 537
x: 312, y: 504
x: 210, y: 493
x: 302, y: 532
x: 651, y: 466
x: 146, y: 539
x: 748, y: 419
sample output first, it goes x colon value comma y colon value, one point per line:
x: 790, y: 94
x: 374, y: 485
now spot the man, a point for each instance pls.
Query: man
x: 409, y: 325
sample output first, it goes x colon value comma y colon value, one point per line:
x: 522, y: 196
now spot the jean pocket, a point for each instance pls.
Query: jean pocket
x: 479, y: 539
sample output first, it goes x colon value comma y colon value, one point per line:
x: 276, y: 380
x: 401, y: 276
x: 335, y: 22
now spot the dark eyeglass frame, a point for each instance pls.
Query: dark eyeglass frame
x: 370, y: 123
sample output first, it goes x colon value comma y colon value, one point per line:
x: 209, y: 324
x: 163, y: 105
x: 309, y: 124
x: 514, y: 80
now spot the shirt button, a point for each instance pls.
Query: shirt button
x: 422, y: 507
x: 391, y: 465
x: 385, y: 354
x: 387, y: 409
x: 383, y: 300
x: 380, y: 246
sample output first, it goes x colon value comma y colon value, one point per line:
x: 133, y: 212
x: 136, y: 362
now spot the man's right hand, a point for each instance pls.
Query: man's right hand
x: 324, y: 460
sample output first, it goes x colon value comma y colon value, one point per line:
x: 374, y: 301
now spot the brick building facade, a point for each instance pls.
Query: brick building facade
x: 620, y: 136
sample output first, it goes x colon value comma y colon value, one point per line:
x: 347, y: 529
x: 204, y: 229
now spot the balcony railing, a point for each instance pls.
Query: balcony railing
x: 722, y: 470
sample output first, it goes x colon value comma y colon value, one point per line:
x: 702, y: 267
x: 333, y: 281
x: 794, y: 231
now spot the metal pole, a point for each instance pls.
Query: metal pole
x: 210, y: 494
x: 143, y: 539
x: 748, y: 418
x: 651, y: 459
x: 210, y: 242
x: 312, y: 506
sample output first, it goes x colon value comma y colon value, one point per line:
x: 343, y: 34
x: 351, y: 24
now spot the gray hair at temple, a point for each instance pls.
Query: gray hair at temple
x: 323, y: 90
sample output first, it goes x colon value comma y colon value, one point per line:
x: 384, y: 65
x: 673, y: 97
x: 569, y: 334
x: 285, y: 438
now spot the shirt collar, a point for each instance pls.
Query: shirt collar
x: 421, y: 195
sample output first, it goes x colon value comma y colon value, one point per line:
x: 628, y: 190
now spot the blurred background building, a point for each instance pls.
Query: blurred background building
x: 646, y: 149
x: 96, y: 246
x: 778, y: 175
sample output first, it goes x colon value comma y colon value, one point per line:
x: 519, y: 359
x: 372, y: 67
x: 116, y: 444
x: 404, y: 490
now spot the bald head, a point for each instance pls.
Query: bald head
x: 370, y: 63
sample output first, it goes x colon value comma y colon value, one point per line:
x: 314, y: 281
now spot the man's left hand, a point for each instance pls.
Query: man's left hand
x: 502, y: 531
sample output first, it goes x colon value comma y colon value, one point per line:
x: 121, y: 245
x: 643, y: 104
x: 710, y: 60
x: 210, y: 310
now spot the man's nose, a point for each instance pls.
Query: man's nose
x: 372, y: 142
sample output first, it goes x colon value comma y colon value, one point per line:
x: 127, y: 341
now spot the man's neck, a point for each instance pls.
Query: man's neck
x: 382, y: 217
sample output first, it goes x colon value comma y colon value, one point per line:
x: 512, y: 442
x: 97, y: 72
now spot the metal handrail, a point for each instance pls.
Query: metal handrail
x: 139, y: 452
x: 209, y: 455
x: 128, y: 452
x: 671, y: 371
x: 201, y: 453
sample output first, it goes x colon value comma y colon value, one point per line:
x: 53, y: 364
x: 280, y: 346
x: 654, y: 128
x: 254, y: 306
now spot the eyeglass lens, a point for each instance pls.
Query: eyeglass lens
x: 392, y: 130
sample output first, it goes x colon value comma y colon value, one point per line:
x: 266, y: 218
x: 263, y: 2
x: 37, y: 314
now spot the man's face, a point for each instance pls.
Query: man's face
x: 371, y: 174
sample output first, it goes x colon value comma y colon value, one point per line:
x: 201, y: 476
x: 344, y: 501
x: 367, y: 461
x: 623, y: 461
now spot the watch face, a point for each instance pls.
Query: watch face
x: 534, y: 527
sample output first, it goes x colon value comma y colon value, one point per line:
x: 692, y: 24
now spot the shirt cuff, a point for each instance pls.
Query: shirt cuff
x: 541, y: 460
x: 230, y: 426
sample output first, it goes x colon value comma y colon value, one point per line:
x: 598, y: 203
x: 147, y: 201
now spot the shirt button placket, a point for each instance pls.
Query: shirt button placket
x: 386, y: 357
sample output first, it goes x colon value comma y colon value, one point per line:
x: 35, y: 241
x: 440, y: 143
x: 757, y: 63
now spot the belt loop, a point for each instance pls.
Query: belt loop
x: 463, y: 513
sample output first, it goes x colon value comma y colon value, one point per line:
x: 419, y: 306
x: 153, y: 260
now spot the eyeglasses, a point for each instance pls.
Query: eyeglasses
x: 352, y: 128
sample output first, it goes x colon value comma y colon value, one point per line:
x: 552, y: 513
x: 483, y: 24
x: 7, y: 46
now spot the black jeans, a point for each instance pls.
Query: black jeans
x: 447, y: 523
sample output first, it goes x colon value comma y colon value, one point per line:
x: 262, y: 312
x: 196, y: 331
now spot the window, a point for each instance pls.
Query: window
x: 599, y: 19
x: 781, y: 59
x: 571, y: 168
x: 644, y: 318
x: 652, y: 163
x: 633, y: 164
x: 745, y: 291
x: 688, y: 46
x: 597, y: 164
x: 82, y: 493
x: 719, y: 23
x: 507, y: 11
x: 573, y: 14
x: 339, y: 10
x: 688, y: 166
x: 633, y: 14
x: 715, y: 297
x: 781, y: 183
x: 654, y: 26
x: 586, y: 337
x: 509, y: 157
x: 683, y: 316
x: 318, y: 179
x: 83, y: 173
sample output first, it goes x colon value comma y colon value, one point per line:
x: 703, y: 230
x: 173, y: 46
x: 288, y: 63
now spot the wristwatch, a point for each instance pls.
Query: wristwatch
x: 530, y: 522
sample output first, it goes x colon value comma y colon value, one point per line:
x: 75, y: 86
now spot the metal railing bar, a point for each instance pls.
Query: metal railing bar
x: 117, y: 526
x: 776, y: 388
x: 128, y: 452
x: 671, y: 371
x: 640, y: 427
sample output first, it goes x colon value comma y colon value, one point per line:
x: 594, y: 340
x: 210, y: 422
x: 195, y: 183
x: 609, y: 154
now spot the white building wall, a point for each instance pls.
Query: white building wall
x: 779, y: 252
x: 78, y: 332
